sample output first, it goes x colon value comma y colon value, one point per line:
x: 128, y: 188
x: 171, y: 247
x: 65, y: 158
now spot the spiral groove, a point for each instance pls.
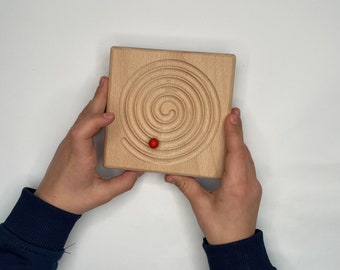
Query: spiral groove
x: 173, y: 101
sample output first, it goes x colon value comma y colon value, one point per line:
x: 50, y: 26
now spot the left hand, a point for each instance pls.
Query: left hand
x: 71, y: 182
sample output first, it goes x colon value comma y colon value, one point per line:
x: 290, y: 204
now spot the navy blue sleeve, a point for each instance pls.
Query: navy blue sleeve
x: 247, y: 254
x: 34, y: 234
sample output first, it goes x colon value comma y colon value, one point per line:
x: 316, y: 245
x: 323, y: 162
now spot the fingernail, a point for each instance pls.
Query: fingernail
x: 108, y: 115
x: 234, y: 119
x: 170, y: 179
x: 238, y: 112
x: 101, y: 82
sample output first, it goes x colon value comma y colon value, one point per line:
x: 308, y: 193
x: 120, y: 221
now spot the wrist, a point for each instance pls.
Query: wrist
x: 229, y: 237
x: 39, y: 223
x: 59, y: 202
x: 239, y: 254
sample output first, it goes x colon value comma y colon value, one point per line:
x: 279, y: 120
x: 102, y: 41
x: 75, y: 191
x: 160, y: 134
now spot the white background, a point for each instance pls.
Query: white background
x: 52, y: 54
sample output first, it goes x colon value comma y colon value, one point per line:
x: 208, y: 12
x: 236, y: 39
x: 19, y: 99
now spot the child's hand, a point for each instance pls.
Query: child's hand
x: 229, y: 213
x: 71, y: 182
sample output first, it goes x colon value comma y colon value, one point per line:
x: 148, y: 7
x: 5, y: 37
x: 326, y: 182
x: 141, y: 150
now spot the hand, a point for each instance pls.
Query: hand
x: 229, y: 213
x: 71, y: 182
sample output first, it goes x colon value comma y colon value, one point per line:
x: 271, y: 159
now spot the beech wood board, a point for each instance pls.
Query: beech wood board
x: 179, y: 98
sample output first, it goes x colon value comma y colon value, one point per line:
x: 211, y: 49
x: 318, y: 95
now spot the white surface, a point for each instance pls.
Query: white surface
x: 52, y: 54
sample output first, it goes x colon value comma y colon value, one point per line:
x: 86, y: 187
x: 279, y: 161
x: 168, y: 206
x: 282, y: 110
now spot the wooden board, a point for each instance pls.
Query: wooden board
x: 179, y: 98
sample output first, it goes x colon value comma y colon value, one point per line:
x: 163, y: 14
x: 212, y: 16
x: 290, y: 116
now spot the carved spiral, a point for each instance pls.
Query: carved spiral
x: 174, y: 102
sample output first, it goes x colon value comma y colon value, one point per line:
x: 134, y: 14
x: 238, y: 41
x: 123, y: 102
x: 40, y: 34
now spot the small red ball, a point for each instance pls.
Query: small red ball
x: 153, y: 143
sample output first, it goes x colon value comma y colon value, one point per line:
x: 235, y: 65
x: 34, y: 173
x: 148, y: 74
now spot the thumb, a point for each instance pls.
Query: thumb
x: 120, y: 184
x: 190, y: 188
x: 84, y: 130
x: 89, y: 126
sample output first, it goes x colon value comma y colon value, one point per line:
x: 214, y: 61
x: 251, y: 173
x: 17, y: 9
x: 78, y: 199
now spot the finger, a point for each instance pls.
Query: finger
x: 190, y: 188
x: 98, y: 103
x: 120, y: 184
x: 233, y: 132
x: 90, y: 126
x: 237, y: 154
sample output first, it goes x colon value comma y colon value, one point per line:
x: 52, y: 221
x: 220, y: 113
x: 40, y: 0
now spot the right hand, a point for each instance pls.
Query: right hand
x: 229, y: 213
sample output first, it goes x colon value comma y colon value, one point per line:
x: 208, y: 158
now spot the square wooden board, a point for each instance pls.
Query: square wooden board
x: 179, y: 98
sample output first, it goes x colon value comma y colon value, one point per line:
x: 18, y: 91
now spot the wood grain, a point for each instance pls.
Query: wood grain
x: 179, y: 98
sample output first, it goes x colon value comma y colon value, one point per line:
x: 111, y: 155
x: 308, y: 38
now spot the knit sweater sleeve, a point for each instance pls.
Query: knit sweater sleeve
x: 247, y: 254
x: 34, y: 234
